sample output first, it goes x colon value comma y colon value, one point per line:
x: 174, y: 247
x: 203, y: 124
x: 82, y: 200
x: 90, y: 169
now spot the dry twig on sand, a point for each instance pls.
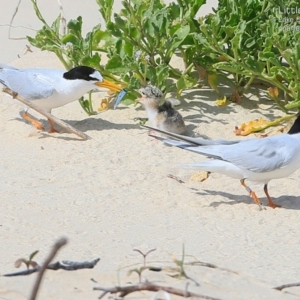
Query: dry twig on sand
x: 209, y: 265
x: 144, y: 254
x: 65, y: 265
x: 47, y: 115
x: 147, y: 286
x: 61, y: 242
x: 175, y: 177
x: 59, y: 265
x: 285, y: 286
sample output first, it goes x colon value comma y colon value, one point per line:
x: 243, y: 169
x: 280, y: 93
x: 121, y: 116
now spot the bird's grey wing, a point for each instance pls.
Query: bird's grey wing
x: 27, y: 84
x: 256, y: 155
x: 5, y: 66
x: 191, y: 140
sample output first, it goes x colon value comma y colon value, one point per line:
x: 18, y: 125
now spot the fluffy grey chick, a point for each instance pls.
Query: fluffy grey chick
x: 163, y: 116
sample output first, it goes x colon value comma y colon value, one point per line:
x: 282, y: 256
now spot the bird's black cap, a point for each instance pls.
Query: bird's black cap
x: 80, y: 72
x: 296, y: 126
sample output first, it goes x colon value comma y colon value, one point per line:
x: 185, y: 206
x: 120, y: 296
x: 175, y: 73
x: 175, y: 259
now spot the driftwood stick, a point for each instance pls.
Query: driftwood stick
x: 209, y: 265
x: 46, y: 114
x: 24, y: 272
x: 61, y: 242
x: 175, y: 177
x: 125, y: 290
x: 285, y: 286
x: 73, y: 265
x: 59, y: 265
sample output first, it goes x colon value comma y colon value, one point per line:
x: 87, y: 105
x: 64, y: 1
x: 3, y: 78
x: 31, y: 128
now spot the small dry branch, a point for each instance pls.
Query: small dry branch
x: 285, y: 286
x: 209, y: 265
x: 125, y: 290
x: 24, y: 272
x: 60, y: 243
x: 73, y: 265
x: 47, y: 115
x: 144, y: 254
x: 59, y: 265
x: 175, y: 177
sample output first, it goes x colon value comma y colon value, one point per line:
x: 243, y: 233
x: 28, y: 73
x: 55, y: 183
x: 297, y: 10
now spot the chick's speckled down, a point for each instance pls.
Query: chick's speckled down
x: 162, y: 116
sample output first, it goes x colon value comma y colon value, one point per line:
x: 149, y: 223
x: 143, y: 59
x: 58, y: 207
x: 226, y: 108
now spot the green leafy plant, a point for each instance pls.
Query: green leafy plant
x: 241, y: 41
x: 139, y: 41
x: 72, y: 48
x: 141, y: 269
x: 249, y: 40
x: 28, y: 262
x: 148, y: 34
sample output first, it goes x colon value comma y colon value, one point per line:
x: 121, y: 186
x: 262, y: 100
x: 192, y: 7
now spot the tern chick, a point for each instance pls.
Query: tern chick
x: 161, y: 116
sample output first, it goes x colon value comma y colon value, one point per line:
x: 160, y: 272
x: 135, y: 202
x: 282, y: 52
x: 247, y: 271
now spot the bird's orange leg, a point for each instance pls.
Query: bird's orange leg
x: 52, y: 128
x: 152, y: 132
x: 252, y: 194
x: 270, y: 203
x: 38, y: 125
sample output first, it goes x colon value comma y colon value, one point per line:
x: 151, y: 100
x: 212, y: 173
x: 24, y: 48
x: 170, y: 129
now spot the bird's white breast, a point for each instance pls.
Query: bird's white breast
x: 46, y: 88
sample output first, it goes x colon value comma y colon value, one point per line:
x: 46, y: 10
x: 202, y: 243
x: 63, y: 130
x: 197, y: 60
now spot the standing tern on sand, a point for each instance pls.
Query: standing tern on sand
x: 258, y: 160
x: 50, y: 88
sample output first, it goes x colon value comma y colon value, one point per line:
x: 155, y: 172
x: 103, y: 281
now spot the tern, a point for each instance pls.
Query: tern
x: 51, y: 88
x: 161, y: 116
x: 259, y: 160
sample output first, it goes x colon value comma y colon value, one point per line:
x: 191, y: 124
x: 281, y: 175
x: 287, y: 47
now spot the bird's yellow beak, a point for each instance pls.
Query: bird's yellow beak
x: 109, y: 85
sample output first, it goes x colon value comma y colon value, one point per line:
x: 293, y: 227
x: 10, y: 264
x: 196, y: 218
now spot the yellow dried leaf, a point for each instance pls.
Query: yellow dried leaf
x: 273, y: 92
x: 221, y: 102
x: 200, y: 176
x: 260, y: 124
x: 104, y: 105
x: 251, y: 126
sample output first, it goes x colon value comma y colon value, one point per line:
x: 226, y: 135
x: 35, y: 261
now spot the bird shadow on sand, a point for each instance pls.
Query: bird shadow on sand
x: 89, y: 124
x: 98, y: 124
x: 286, y: 202
x: 233, y: 198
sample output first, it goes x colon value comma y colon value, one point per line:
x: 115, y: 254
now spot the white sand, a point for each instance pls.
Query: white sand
x: 111, y: 194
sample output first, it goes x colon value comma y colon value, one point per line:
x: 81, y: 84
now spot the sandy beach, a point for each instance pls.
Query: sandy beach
x: 112, y: 194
